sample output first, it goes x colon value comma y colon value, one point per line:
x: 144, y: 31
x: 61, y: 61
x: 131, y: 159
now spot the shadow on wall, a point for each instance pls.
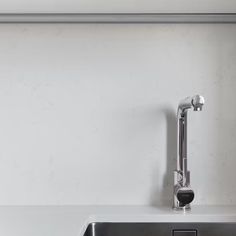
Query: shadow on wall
x: 163, y: 196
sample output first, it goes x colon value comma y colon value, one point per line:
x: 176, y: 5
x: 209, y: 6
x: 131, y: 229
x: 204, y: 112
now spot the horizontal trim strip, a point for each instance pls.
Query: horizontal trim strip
x: 117, y: 18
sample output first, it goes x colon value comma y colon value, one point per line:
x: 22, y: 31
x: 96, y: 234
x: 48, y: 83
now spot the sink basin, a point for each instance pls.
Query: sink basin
x: 161, y: 229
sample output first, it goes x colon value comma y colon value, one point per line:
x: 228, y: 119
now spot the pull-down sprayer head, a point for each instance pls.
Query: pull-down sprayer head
x: 197, y: 102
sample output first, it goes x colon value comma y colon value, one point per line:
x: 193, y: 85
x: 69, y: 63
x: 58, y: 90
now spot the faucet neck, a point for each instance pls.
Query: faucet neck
x: 182, y: 143
x: 183, y: 107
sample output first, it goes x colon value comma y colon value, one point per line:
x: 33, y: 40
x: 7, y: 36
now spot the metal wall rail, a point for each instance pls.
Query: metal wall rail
x: 117, y: 17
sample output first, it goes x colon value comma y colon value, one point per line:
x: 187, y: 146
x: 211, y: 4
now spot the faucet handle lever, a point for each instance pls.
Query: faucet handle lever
x: 185, y: 196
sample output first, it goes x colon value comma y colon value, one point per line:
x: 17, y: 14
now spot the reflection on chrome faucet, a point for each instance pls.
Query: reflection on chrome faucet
x: 183, y: 194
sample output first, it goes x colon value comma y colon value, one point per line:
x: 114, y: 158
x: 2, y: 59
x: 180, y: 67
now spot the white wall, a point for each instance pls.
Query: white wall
x: 215, y: 6
x: 87, y: 112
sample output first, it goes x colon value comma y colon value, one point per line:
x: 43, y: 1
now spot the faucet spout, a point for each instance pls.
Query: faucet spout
x: 183, y: 194
x: 196, y: 102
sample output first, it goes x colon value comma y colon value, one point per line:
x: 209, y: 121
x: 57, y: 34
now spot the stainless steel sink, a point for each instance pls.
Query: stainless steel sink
x: 161, y: 229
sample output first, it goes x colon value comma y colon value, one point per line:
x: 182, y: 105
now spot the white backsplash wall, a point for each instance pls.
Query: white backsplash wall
x: 87, y: 112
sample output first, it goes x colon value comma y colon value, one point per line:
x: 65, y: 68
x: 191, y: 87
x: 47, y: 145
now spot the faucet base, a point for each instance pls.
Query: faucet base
x: 183, y: 194
x: 182, y: 208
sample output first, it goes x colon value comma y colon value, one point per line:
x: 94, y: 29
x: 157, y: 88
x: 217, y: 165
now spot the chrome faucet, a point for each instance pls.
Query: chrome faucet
x: 183, y: 194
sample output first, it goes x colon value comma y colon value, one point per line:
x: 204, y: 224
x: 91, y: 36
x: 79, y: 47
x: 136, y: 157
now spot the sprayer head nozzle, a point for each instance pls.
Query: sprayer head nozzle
x: 197, y: 102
